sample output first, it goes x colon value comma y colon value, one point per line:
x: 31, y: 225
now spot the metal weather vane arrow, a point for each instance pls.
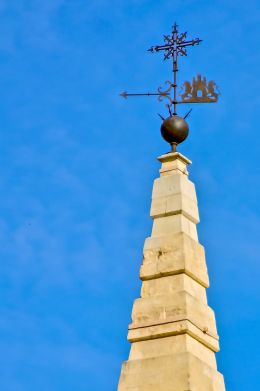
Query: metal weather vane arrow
x: 125, y: 94
x: 198, y: 91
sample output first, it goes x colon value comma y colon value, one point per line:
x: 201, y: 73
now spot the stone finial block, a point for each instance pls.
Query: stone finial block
x: 173, y: 163
x: 174, y: 254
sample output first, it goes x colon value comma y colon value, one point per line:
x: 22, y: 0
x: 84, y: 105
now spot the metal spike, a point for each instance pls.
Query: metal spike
x: 161, y: 116
x: 187, y: 114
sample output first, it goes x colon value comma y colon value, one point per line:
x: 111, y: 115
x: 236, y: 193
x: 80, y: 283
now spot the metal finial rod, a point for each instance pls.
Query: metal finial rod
x: 174, y: 147
x: 175, y: 68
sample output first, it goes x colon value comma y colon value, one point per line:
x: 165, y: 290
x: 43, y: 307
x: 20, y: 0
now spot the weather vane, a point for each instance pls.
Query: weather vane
x: 175, y: 129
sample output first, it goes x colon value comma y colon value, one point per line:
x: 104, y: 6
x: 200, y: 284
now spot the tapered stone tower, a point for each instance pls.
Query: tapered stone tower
x: 173, y: 332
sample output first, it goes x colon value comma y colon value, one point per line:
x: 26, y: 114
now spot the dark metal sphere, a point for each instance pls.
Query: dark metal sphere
x: 174, y: 129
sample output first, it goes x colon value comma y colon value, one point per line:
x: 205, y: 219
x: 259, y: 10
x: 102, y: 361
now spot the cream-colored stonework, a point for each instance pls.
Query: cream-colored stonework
x: 174, y: 254
x: 173, y: 332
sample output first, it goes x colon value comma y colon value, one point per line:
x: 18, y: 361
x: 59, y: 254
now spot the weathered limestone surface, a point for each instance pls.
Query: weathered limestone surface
x: 173, y: 254
x: 173, y: 332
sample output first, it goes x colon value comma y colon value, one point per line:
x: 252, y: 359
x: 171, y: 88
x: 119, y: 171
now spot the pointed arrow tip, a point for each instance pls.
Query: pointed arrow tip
x: 123, y: 94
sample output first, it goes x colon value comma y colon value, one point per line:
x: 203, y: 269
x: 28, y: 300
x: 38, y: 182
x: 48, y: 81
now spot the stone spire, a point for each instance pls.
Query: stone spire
x: 173, y: 332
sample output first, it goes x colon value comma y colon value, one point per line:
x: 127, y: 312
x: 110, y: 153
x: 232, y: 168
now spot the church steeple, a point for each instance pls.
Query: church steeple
x: 173, y: 332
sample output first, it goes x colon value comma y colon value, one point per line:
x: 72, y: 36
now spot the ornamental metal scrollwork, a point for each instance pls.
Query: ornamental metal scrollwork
x: 166, y: 93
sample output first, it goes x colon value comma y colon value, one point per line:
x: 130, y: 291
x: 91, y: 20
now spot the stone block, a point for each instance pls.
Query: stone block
x: 174, y: 224
x: 173, y: 163
x: 172, y: 284
x: 181, y: 343
x: 175, y: 372
x: 173, y: 328
x: 175, y: 204
x: 174, y: 184
x: 174, y: 254
x: 148, y: 311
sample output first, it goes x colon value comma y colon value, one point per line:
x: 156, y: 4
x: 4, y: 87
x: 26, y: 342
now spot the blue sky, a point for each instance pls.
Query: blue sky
x: 77, y: 165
